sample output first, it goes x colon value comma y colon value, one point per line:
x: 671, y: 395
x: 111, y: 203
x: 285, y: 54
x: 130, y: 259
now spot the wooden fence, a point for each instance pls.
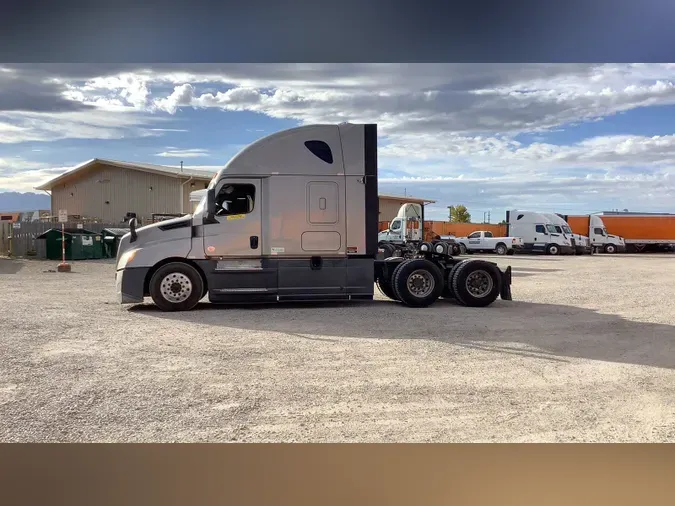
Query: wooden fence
x: 23, y: 241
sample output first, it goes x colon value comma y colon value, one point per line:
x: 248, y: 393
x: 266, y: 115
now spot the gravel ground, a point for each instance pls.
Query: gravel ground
x: 585, y: 352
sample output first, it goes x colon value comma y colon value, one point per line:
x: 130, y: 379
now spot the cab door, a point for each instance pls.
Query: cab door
x: 237, y: 230
x: 541, y: 238
x: 474, y: 241
x: 233, y: 245
x: 396, y: 230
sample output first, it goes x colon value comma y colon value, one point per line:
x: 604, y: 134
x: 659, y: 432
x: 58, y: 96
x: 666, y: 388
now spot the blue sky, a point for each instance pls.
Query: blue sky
x: 563, y: 138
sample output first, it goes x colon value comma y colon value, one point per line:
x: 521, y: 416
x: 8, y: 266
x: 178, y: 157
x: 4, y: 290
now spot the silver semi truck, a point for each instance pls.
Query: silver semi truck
x: 293, y: 217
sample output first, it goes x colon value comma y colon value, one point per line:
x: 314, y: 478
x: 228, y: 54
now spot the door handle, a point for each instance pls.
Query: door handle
x: 254, y: 242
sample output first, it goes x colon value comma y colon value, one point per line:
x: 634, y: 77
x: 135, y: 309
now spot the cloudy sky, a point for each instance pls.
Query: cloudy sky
x: 557, y: 137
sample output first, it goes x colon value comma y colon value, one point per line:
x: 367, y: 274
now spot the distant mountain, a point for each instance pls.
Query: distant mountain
x: 15, y: 201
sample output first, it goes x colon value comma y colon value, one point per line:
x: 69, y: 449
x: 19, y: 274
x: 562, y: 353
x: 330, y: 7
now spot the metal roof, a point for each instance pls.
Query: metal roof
x: 145, y: 167
x: 115, y: 231
x: 406, y: 198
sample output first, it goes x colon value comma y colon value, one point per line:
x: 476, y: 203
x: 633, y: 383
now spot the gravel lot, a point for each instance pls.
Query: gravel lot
x: 585, y: 352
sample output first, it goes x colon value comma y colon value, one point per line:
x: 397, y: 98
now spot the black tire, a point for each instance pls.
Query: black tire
x: 186, y: 279
x: 448, y: 292
x: 483, y: 272
x: 553, y: 249
x: 428, y: 272
x: 610, y: 249
x: 384, y: 285
x: 456, y: 250
x: 501, y: 249
x: 388, y: 249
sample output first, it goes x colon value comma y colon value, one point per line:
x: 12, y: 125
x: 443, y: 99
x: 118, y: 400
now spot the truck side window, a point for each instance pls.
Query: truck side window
x: 395, y: 225
x: 488, y: 234
x: 475, y: 235
x: 235, y: 199
x: 598, y: 231
x: 540, y: 229
x: 321, y: 150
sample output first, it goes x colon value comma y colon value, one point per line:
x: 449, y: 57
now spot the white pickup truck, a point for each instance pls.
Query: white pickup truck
x: 484, y: 242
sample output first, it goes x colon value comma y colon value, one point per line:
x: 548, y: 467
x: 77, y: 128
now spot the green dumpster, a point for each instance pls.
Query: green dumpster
x: 111, y: 240
x: 80, y: 244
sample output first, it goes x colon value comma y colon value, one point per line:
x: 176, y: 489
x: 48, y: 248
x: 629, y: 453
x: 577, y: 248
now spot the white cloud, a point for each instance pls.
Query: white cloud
x: 448, y: 130
x: 123, y: 122
x: 27, y: 180
x: 183, y: 153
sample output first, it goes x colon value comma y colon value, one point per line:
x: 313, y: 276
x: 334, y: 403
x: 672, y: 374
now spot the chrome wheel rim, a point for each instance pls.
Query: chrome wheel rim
x: 176, y: 287
x: 421, y: 283
x: 479, y: 284
x: 554, y: 250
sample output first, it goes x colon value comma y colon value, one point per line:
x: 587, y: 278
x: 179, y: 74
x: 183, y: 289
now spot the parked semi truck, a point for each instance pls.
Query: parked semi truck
x: 593, y: 226
x: 582, y: 244
x: 642, y: 232
x: 539, y: 233
x: 406, y: 232
x: 484, y: 241
x: 293, y: 217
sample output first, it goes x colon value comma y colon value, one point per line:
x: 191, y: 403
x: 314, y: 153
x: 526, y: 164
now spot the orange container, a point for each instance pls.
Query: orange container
x: 635, y: 228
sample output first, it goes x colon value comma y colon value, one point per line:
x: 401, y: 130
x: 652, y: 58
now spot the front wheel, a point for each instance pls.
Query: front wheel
x: 176, y: 287
x: 553, y: 249
x: 462, y: 249
x: 610, y: 248
x: 501, y: 249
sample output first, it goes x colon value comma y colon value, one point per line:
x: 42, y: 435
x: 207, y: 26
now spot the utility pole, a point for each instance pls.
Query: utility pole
x: 488, y: 217
x: 181, y: 165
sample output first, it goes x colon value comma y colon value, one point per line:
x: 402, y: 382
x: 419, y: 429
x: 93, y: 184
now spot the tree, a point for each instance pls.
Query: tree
x: 459, y: 214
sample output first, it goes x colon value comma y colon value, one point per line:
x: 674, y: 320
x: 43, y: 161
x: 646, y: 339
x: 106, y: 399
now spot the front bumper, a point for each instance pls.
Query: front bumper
x: 130, y: 285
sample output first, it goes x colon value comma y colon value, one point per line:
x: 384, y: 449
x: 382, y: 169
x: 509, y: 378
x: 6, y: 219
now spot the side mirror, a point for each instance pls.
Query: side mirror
x: 211, y: 204
x: 132, y: 230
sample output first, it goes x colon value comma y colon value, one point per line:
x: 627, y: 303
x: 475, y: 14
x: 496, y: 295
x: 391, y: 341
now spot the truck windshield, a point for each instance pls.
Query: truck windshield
x: 551, y: 229
x: 567, y: 230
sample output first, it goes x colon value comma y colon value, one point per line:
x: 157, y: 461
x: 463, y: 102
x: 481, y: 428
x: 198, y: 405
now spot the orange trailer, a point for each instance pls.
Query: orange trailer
x: 642, y: 231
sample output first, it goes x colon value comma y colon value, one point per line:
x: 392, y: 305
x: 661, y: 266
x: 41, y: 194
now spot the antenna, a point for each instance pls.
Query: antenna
x: 181, y: 165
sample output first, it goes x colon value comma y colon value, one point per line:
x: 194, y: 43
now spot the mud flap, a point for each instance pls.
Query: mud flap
x: 505, y: 292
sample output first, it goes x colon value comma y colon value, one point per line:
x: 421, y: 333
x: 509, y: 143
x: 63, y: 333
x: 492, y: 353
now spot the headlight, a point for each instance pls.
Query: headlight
x: 126, y: 258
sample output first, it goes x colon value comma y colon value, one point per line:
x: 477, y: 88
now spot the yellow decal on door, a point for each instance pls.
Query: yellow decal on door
x: 236, y: 217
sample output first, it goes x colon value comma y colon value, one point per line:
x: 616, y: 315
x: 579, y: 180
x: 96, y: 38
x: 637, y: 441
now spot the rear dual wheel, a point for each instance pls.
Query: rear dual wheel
x: 474, y: 283
x: 417, y: 282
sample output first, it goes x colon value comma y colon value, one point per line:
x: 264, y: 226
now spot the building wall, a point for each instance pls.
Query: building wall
x: 389, y: 208
x: 125, y: 190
